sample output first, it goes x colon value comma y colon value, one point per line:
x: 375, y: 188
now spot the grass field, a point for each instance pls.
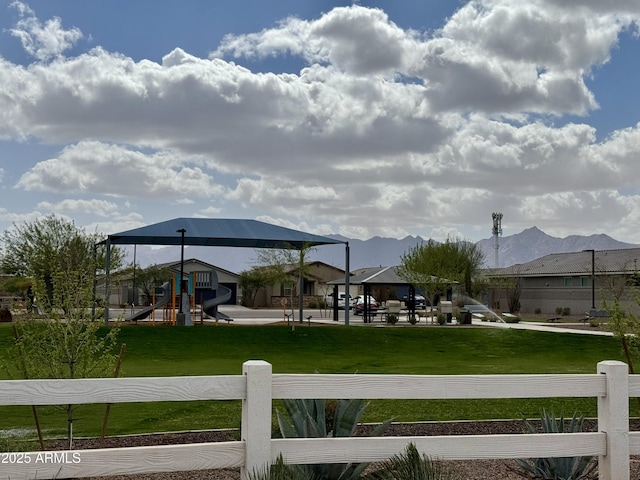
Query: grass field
x: 209, y: 350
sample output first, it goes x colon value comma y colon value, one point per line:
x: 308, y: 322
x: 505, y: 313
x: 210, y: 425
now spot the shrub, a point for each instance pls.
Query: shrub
x: 313, y: 305
x: 561, y: 468
x: 315, y: 418
x: 566, y: 311
x: 413, y: 319
x: 593, y: 322
x: 558, y: 310
x: 410, y: 465
x: 537, y: 311
x: 392, y: 319
x: 282, y: 471
x: 442, y: 319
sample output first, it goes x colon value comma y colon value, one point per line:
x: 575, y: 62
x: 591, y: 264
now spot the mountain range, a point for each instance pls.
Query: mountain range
x: 521, y: 247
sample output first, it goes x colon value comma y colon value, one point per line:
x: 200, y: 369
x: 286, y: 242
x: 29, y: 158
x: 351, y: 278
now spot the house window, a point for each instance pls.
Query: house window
x: 586, y: 282
x: 567, y: 282
x: 286, y: 289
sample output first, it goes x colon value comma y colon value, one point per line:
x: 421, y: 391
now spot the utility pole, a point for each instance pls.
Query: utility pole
x: 180, y: 318
x: 497, y: 231
x: 593, y: 280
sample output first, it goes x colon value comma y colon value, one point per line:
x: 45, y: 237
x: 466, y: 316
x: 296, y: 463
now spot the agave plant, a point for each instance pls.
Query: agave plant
x: 282, y: 471
x: 316, y: 418
x: 560, y: 468
x: 410, y: 465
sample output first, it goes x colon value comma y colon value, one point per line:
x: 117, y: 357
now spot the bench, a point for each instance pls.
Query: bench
x: 595, y: 314
x: 427, y: 315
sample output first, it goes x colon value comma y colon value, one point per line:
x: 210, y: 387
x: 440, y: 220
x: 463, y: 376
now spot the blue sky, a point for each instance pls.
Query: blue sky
x: 362, y: 118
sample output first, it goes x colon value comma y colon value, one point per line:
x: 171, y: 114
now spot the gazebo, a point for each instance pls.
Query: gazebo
x: 376, y: 276
x: 219, y: 232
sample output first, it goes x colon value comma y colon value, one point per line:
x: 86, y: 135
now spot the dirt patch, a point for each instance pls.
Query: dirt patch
x: 468, y: 469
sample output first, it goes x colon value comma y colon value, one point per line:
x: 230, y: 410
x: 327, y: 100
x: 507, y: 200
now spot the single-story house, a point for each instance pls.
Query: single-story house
x: 203, y: 278
x: 577, y: 281
x: 314, y: 282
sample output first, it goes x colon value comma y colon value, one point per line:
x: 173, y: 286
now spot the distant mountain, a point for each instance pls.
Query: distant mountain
x: 533, y: 243
x: 522, y: 247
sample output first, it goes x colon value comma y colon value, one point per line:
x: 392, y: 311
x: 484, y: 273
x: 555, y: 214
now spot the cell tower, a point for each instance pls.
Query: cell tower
x: 497, y: 232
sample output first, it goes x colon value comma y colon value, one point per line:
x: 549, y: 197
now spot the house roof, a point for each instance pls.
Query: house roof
x: 221, y: 232
x: 622, y: 261
x: 373, y: 275
x: 176, y: 266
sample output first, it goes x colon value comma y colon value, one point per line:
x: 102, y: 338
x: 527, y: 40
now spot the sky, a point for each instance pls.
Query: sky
x: 370, y: 118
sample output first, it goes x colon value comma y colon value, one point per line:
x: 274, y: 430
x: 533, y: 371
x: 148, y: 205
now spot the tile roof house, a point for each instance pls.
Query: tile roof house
x: 578, y: 281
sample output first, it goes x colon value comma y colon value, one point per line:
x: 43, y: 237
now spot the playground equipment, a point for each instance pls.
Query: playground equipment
x: 222, y: 295
x: 169, y: 301
x: 148, y: 311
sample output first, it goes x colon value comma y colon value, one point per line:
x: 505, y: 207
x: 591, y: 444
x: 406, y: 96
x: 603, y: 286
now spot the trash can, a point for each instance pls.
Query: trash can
x: 465, y: 316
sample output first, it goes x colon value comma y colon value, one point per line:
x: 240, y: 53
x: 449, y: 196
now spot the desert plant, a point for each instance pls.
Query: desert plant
x: 511, y: 318
x: 410, y: 465
x: 561, y: 468
x: 316, y: 418
x: 281, y: 471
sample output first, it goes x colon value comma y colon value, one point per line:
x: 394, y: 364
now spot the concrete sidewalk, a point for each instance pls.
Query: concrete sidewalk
x: 249, y: 316
x: 545, y: 327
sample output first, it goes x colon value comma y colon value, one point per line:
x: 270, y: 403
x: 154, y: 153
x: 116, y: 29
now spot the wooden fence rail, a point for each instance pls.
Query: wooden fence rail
x: 257, y: 387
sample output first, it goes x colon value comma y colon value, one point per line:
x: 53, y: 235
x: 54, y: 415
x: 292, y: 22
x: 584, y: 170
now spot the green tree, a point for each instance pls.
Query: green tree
x: 51, y: 246
x: 250, y: 282
x: 285, y: 266
x: 17, y: 285
x: 434, y: 266
x: 65, y: 344
x: 624, y: 323
x: 62, y: 260
x: 150, y: 277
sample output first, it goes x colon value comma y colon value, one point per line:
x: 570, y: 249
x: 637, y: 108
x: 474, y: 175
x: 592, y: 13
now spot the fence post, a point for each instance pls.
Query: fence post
x: 255, y: 428
x: 613, y: 419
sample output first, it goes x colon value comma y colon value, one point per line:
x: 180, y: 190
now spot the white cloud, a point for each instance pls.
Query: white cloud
x: 347, y: 141
x: 42, y: 41
x: 209, y: 212
x: 357, y: 40
x: 99, y: 168
x: 100, y: 208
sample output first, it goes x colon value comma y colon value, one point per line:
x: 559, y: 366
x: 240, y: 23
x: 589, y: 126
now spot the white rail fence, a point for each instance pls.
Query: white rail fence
x: 257, y: 387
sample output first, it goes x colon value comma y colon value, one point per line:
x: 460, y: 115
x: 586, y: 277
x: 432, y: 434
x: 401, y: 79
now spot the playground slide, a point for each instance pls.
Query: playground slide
x: 210, y: 307
x: 145, y: 312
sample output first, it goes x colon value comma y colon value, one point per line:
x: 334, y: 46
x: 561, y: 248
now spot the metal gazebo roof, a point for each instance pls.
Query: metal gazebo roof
x: 219, y: 232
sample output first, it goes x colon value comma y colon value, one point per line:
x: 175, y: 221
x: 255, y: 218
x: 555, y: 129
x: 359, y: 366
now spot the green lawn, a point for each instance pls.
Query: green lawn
x: 209, y: 350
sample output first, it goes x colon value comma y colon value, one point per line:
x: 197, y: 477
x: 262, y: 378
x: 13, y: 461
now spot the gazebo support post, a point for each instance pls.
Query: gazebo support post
x: 347, y: 298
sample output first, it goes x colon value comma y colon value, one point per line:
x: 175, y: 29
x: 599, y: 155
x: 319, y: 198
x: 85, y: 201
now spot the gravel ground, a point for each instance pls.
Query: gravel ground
x: 467, y: 470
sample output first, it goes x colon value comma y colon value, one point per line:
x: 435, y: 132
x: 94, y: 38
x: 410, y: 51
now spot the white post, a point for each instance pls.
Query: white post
x: 255, y: 429
x: 613, y: 419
